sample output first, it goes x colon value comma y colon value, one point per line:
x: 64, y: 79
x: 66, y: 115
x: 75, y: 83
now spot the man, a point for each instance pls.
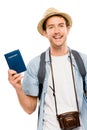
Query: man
x: 55, y: 26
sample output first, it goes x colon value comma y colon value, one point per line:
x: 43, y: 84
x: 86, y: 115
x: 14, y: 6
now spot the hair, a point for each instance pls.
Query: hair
x: 44, y: 24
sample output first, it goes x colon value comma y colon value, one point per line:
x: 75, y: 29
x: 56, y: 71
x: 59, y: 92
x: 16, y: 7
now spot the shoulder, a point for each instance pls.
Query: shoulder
x: 84, y: 58
x: 35, y: 62
x: 82, y: 55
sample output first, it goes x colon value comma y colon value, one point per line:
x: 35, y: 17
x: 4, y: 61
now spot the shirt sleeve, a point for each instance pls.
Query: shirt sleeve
x: 30, y: 80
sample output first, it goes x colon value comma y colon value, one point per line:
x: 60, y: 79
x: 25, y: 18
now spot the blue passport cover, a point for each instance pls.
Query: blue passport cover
x: 15, y: 61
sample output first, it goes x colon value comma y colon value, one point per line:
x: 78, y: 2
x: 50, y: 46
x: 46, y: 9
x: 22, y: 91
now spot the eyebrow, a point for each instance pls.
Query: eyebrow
x: 53, y: 24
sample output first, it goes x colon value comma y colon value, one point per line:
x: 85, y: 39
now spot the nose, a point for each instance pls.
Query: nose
x: 56, y: 29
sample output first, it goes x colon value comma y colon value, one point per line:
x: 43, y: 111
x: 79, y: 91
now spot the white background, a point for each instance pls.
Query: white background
x: 18, y: 30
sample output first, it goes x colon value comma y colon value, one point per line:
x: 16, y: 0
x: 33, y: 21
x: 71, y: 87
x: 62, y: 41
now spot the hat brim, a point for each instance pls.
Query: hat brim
x: 64, y: 15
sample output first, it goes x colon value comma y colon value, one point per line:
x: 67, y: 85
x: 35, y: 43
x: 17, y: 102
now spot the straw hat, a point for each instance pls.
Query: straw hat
x: 52, y: 12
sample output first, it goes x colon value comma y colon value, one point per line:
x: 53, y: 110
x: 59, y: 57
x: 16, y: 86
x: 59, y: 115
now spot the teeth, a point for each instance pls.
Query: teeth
x: 57, y: 37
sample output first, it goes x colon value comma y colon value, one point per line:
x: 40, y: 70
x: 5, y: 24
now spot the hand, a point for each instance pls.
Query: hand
x: 14, y: 78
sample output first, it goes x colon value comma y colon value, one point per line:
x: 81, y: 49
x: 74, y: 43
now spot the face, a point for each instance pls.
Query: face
x: 56, y: 31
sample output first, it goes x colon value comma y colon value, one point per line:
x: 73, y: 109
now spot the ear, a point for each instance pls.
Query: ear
x: 68, y: 29
x: 45, y: 33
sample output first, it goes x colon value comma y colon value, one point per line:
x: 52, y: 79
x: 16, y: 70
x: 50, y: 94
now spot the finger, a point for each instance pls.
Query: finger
x: 15, y: 79
x: 16, y: 76
x: 11, y: 75
x: 18, y: 79
x: 11, y: 72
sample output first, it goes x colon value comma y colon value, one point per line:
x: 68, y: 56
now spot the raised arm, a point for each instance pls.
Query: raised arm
x: 28, y: 103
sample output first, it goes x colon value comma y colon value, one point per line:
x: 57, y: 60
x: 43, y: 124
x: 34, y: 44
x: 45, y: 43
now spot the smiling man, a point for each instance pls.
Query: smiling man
x: 66, y: 107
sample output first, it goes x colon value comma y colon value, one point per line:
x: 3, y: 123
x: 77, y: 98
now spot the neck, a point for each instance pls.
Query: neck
x: 59, y: 51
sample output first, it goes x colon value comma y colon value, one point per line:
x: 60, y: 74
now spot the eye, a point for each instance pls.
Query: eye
x: 50, y: 27
x: 61, y: 25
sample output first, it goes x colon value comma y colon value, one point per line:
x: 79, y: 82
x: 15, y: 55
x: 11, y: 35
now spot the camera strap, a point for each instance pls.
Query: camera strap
x: 54, y: 82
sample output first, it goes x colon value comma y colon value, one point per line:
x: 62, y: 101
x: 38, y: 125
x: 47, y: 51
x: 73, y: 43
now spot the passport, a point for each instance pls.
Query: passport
x: 15, y: 61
